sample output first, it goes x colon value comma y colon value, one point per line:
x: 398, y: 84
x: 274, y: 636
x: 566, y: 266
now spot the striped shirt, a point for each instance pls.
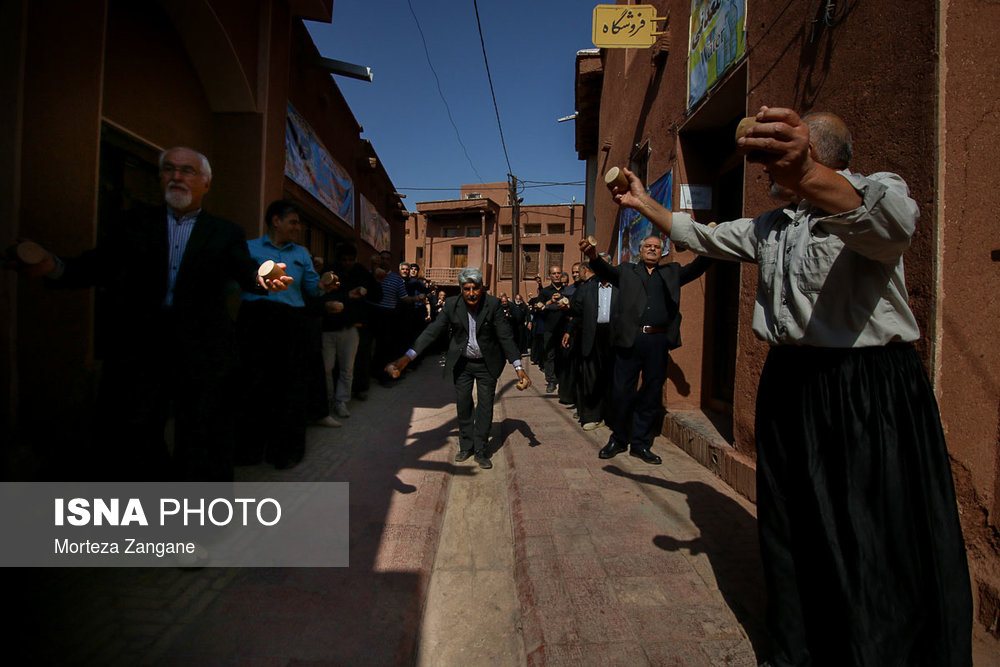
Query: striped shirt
x: 178, y: 234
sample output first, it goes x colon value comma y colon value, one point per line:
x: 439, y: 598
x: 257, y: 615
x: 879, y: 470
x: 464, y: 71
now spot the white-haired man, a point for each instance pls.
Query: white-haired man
x: 169, y: 337
x: 481, y: 339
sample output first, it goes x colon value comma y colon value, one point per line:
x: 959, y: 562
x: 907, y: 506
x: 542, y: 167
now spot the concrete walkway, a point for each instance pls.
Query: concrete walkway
x: 552, y: 557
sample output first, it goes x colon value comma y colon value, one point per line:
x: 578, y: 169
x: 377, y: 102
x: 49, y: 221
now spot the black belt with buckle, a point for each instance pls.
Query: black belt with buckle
x: 652, y: 330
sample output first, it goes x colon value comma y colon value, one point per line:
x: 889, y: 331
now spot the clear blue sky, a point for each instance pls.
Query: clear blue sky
x: 531, y: 48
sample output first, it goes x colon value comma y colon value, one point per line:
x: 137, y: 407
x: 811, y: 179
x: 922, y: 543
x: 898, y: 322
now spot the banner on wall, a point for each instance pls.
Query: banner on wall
x: 308, y: 163
x: 718, y: 40
x: 633, y: 228
x: 374, y: 228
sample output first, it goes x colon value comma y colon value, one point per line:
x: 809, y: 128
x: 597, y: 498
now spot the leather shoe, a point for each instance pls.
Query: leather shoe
x: 462, y: 455
x: 550, y: 387
x: 611, y: 450
x: 647, y: 456
x: 483, y: 462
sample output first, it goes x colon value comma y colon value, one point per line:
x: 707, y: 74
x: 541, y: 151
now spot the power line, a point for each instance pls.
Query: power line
x: 490, y: 79
x: 441, y: 92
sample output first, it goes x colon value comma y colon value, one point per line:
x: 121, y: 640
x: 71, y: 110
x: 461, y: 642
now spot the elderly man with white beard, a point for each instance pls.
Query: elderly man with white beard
x: 168, y: 337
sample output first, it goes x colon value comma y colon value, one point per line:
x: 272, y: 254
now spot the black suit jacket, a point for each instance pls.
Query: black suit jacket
x: 492, y: 333
x: 583, y: 314
x: 628, y: 278
x: 131, y: 264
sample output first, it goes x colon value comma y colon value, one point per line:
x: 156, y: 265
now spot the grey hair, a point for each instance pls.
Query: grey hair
x: 831, y: 139
x: 206, y: 168
x: 470, y: 274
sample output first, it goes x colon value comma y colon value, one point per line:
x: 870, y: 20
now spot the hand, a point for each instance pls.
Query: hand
x: 394, y: 368
x: 565, y: 341
x: 588, y: 249
x: 779, y: 141
x: 379, y: 274
x: 357, y: 293
x: 29, y: 259
x: 279, y: 284
x: 333, y: 307
x: 329, y: 281
x: 635, y: 196
x: 523, y: 381
x: 538, y: 279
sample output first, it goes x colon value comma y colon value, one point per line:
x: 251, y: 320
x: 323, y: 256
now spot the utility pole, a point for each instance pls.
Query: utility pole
x: 515, y: 237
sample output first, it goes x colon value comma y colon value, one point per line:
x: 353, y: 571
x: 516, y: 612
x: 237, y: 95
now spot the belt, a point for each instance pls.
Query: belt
x: 652, y: 330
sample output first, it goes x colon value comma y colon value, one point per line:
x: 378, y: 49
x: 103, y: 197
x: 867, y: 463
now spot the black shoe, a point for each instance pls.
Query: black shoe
x: 463, y: 454
x: 646, y: 455
x: 550, y: 387
x: 611, y: 450
x: 483, y: 462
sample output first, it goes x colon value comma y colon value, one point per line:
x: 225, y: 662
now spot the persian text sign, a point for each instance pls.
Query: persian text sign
x: 625, y: 26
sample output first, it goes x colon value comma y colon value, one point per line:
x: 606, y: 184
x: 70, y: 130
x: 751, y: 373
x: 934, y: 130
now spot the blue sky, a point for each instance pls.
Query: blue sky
x: 531, y: 48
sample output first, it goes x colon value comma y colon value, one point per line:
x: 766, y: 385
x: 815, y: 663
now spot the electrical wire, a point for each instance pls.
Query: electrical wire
x: 490, y: 79
x: 441, y: 92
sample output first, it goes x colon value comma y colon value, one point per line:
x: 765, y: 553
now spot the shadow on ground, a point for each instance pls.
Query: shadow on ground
x: 729, y: 540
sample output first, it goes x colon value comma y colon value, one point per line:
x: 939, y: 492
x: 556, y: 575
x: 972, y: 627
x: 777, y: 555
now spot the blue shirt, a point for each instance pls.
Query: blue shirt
x: 393, y: 289
x: 178, y: 234
x: 299, y: 266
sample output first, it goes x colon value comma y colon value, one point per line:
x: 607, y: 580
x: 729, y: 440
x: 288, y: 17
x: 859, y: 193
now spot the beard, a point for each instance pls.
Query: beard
x: 178, y: 199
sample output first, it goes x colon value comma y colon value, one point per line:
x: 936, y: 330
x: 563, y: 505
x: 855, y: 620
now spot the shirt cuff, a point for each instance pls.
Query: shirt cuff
x: 59, y: 270
x: 411, y: 354
x: 517, y: 365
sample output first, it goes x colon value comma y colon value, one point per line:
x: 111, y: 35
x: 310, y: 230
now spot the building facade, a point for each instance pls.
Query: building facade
x: 93, y: 91
x: 917, y: 85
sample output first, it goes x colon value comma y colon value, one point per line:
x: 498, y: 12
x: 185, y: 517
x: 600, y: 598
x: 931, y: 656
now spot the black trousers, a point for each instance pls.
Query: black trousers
x: 595, y: 378
x: 175, y: 373
x: 274, y: 350
x: 550, y: 348
x: 860, y: 539
x: 635, y: 410
x: 474, y: 424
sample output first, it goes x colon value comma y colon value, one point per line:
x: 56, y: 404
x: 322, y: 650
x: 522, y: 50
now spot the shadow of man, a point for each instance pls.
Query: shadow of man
x: 729, y: 540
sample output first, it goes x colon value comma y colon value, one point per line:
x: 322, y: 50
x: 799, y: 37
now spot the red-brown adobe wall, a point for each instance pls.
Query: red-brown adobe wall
x: 968, y: 370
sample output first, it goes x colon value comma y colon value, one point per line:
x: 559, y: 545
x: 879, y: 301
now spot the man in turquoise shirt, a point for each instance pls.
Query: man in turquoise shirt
x: 274, y: 345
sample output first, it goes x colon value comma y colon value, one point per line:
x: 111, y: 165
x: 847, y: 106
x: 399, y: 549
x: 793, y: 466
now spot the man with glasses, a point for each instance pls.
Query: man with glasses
x: 171, y: 347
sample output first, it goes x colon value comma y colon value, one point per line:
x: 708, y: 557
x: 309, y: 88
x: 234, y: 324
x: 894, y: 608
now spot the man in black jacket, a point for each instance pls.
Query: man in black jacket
x: 480, y: 340
x: 167, y: 272
x: 647, y: 322
x: 589, y: 332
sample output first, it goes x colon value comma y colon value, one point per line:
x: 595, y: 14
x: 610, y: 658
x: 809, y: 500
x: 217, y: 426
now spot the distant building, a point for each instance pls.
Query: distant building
x: 477, y: 230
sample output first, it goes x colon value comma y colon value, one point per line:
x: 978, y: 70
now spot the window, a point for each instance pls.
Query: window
x: 531, y: 257
x: 473, y: 195
x: 459, y: 256
x: 449, y: 232
x: 532, y: 230
x: 407, y: 232
x: 554, y: 254
x: 557, y: 229
x: 506, y: 230
x: 506, y: 262
x: 473, y: 231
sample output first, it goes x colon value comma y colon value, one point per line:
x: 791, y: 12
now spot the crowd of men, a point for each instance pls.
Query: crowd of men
x: 860, y: 539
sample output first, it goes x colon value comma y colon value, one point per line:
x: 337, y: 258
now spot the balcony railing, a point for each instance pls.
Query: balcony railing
x: 443, y: 275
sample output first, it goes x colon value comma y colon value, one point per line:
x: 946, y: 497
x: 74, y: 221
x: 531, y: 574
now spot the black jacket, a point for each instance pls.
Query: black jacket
x: 628, y: 279
x: 131, y: 265
x: 492, y: 333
